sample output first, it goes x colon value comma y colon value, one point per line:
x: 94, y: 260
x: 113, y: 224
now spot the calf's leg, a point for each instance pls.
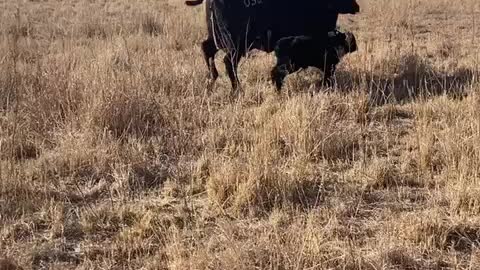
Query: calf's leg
x: 283, y: 67
x: 328, y: 75
x: 278, y: 74
x: 328, y: 70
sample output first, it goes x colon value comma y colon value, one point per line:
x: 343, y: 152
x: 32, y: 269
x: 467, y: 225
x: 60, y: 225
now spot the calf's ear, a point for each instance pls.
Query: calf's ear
x: 356, y: 7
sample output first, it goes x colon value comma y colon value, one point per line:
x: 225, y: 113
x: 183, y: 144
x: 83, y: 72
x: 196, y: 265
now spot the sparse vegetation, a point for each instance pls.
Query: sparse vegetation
x: 113, y: 154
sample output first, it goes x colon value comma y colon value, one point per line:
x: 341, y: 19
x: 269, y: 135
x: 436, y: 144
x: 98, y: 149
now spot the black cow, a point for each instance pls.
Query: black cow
x: 237, y: 26
x: 323, y: 52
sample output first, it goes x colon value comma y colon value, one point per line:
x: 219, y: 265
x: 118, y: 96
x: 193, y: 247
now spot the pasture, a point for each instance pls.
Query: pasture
x: 113, y: 155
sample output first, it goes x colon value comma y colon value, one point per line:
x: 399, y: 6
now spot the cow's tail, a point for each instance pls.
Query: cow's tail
x: 193, y: 2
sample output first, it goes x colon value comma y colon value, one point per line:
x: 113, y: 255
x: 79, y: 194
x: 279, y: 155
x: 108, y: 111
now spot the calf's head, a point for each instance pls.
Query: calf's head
x: 342, y: 43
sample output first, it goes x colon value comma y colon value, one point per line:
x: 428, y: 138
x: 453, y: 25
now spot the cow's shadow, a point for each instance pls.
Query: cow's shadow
x: 415, y: 78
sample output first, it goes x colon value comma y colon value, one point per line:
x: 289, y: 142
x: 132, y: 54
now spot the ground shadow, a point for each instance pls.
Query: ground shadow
x: 415, y: 78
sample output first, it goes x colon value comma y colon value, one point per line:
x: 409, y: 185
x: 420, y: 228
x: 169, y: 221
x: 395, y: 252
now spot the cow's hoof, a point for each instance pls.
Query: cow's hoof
x: 235, y: 93
x: 209, y: 85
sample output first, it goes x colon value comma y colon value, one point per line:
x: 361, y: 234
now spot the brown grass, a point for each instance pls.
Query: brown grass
x: 113, y: 155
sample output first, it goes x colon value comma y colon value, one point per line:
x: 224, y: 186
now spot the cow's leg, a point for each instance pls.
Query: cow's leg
x: 209, y: 51
x: 231, y: 61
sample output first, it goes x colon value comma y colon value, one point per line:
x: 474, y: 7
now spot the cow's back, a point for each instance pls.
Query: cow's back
x: 241, y: 20
x: 247, y: 21
x: 303, y: 17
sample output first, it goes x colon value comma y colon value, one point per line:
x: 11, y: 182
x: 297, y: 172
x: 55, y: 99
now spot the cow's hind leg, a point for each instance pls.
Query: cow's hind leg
x: 231, y: 61
x: 209, y: 50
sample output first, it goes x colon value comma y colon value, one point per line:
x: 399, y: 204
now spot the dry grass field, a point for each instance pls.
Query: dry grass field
x: 114, y: 156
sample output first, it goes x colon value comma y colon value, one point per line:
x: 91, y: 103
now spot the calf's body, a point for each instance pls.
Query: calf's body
x: 323, y: 52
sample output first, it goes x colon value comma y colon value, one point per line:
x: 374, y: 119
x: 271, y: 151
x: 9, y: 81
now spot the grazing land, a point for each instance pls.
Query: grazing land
x: 113, y: 155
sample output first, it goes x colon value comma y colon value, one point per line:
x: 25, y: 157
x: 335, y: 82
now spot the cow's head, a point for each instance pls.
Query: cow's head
x: 344, y: 6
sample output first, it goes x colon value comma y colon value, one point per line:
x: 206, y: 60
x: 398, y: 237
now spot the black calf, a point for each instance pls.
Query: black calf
x: 323, y: 52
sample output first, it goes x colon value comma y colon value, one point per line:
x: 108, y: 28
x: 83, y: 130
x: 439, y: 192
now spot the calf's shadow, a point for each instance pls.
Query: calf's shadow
x: 416, y: 78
